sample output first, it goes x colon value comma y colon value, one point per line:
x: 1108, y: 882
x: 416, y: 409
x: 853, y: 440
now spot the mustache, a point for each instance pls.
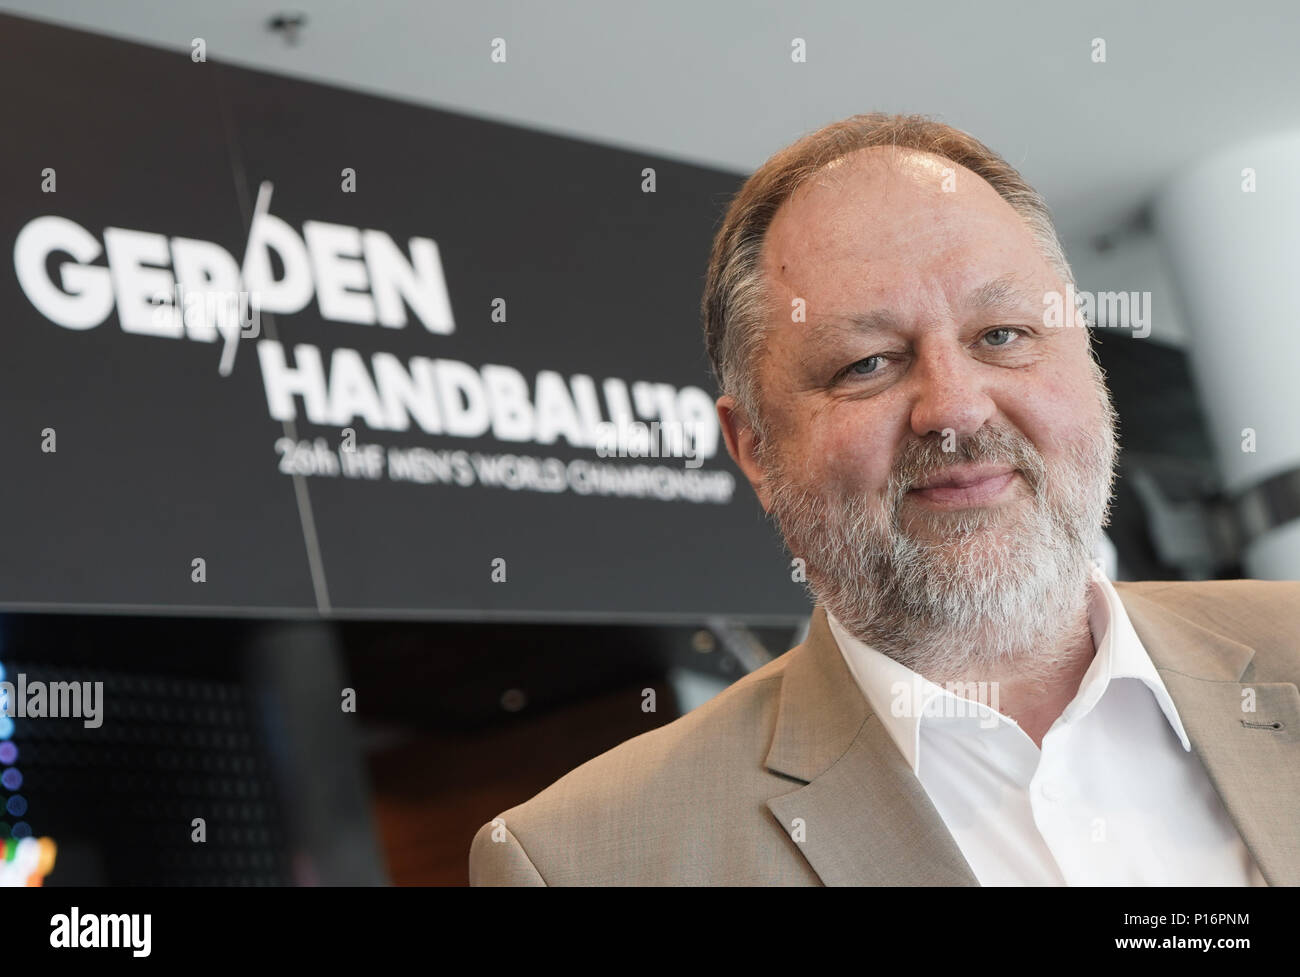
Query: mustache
x: 917, y: 461
x: 923, y: 459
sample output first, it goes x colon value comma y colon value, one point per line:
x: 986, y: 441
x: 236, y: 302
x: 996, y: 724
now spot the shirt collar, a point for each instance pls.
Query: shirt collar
x: 1120, y: 654
x: 902, y: 699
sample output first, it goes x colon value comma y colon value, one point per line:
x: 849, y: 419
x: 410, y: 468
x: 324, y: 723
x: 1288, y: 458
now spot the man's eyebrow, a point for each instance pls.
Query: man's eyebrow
x: 877, y: 320
x: 1003, y: 293
x: 1000, y: 293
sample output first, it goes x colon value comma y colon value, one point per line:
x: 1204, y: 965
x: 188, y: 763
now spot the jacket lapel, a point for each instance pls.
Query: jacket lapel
x: 862, y: 815
x: 1254, y: 768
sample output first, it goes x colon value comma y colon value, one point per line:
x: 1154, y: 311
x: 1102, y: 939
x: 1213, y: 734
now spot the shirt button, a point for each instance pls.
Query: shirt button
x: 1052, y: 791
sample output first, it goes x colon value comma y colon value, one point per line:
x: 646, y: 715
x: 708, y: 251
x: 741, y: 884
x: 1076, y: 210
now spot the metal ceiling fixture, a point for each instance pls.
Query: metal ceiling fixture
x: 288, y: 25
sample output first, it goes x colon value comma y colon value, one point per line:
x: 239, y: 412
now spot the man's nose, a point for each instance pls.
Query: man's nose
x: 950, y: 394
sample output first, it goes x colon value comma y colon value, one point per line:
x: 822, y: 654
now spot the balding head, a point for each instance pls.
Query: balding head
x: 938, y: 454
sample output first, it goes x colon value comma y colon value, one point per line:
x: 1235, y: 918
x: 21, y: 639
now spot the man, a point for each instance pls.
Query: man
x: 975, y: 703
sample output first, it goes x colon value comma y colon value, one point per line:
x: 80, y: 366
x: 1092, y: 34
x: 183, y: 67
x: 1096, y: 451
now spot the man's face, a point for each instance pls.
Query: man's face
x: 927, y: 434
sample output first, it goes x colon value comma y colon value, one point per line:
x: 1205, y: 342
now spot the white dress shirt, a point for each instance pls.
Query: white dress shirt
x: 1114, y: 797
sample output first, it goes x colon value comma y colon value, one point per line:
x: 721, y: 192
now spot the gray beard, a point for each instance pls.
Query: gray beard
x: 993, y: 591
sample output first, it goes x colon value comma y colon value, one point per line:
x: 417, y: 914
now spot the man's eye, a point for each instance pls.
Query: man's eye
x: 864, y: 367
x: 1000, y: 337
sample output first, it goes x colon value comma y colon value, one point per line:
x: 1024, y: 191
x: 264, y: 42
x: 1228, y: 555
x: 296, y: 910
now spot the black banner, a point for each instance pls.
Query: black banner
x: 371, y: 925
x: 279, y: 348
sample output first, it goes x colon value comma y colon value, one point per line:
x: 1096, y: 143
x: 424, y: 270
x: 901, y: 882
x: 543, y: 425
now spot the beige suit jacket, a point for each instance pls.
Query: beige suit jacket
x: 711, y: 798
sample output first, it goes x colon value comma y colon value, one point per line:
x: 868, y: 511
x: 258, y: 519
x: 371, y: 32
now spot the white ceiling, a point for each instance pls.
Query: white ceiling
x: 713, y: 82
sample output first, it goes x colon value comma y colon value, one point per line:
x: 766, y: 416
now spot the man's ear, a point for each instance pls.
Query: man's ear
x: 742, y: 443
